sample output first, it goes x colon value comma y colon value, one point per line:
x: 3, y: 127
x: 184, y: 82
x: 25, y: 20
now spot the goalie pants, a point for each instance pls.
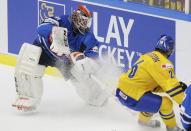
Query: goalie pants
x: 149, y: 104
x: 47, y: 59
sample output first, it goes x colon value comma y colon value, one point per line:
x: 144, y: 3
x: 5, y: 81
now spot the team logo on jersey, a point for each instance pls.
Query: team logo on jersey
x: 167, y: 66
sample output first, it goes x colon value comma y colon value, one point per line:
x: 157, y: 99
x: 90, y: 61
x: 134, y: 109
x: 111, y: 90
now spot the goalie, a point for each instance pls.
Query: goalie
x: 66, y: 43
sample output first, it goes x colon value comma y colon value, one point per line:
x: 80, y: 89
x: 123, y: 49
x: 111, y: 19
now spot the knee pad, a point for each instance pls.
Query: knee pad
x: 28, y: 72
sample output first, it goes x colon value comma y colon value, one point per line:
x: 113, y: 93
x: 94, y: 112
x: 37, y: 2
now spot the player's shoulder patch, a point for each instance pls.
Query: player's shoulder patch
x: 154, y: 57
x: 167, y: 66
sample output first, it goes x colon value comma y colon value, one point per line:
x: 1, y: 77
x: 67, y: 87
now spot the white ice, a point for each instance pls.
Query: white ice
x: 62, y: 110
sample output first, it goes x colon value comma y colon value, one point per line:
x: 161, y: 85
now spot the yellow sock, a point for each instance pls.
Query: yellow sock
x: 166, y: 113
x: 145, y: 117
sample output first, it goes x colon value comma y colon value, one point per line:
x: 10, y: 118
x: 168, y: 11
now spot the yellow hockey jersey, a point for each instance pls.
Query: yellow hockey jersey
x: 152, y: 70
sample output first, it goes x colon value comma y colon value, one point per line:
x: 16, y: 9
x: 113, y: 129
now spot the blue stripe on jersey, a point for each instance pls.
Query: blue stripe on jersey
x: 166, y: 114
x: 168, y: 117
x: 177, y: 93
x: 177, y: 87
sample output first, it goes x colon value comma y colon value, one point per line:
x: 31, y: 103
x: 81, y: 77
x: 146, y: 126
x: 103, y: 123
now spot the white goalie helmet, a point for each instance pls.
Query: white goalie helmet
x: 82, y: 19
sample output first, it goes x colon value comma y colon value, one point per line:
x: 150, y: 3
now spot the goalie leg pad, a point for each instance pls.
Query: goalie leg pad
x: 88, y: 88
x: 92, y: 85
x: 28, y: 77
x: 90, y: 92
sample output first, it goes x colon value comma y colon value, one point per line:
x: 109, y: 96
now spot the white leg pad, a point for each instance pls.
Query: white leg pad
x: 91, y: 92
x: 28, y: 77
x: 88, y: 86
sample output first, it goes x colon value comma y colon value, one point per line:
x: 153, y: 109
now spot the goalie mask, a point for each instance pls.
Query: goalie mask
x: 165, y: 45
x: 81, y: 19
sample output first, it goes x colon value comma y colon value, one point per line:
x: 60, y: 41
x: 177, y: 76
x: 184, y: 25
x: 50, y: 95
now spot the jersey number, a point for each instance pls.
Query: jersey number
x: 171, y: 74
x: 134, y: 69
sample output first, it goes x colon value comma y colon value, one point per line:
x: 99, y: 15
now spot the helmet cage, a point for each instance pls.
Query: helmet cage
x: 80, y: 21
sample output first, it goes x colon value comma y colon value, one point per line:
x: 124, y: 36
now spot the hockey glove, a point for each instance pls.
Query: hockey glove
x: 183, y: 85
x: 83, y: 64
x: 59, y: 41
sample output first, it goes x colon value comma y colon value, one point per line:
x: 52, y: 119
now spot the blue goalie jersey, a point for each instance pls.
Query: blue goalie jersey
x: 85, y: 43
x: 186, y: 110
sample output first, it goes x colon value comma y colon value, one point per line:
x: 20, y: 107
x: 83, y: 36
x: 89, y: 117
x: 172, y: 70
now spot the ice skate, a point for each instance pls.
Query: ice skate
x: 25, y: 104
x: 151, y: 123
x: 174, y: 129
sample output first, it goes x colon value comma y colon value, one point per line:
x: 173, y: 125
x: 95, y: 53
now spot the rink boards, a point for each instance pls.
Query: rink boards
x: 124, y: 35
x: 124, y: 31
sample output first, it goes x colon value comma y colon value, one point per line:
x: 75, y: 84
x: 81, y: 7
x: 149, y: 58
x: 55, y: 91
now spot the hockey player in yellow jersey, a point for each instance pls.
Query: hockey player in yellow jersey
x: 153, y: 72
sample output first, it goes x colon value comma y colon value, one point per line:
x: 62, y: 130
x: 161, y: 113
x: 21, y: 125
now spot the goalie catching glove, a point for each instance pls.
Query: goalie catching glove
x: 59, y: 39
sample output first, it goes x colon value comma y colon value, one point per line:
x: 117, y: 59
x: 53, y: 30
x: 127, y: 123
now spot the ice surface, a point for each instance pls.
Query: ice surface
x: 62, y: 110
